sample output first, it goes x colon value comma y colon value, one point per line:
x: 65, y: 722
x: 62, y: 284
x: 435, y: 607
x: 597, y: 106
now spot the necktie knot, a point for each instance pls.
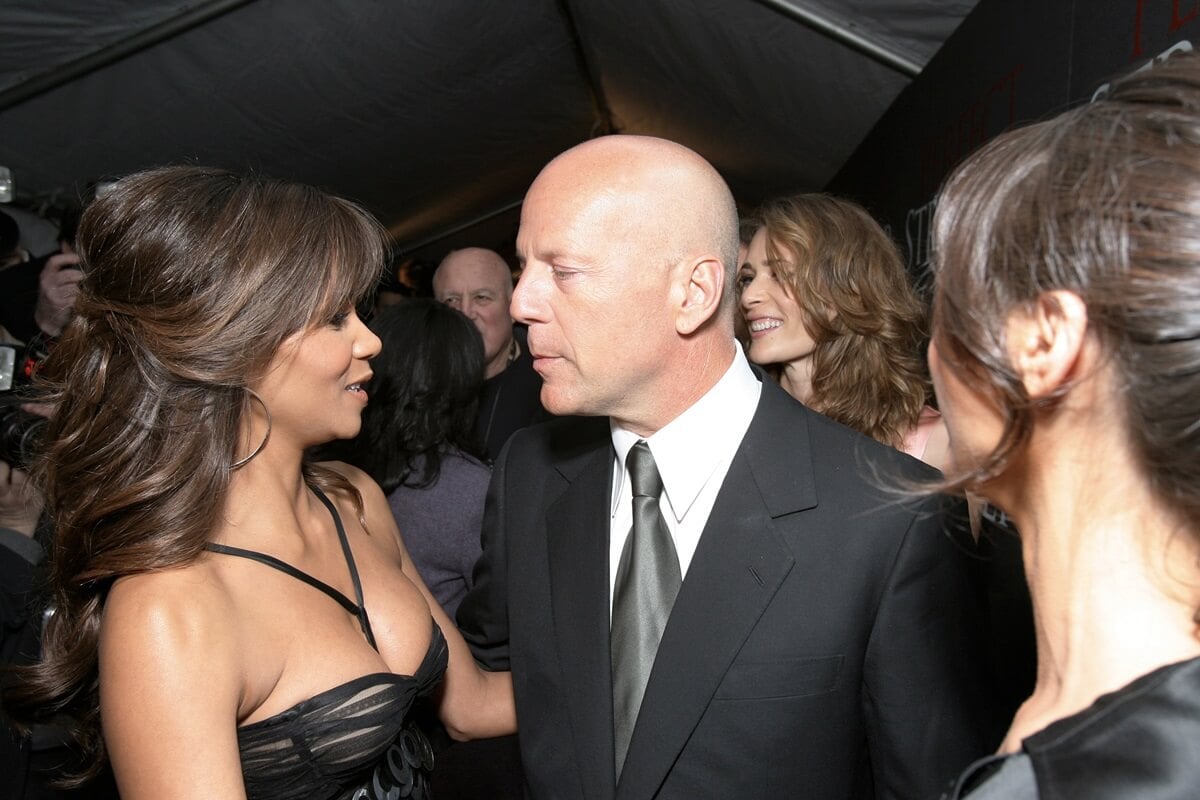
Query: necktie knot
x: 643, y: 472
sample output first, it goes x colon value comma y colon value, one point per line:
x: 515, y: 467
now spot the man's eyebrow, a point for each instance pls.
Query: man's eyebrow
x: 550, y: 256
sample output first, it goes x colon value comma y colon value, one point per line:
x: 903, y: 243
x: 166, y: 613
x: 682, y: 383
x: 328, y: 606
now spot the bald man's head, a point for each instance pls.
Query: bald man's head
x: 478, y: 283
x: 629, y: 245
x: 688, y: 206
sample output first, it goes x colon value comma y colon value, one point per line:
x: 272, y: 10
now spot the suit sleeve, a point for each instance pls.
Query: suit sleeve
x: 483, y: 615
x: 925, y: 677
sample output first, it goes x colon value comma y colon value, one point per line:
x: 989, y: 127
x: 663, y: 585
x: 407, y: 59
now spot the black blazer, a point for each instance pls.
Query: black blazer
x: 824, y: 643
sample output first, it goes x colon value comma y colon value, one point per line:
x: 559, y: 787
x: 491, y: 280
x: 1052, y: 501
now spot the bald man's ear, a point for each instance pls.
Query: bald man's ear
x: 700, y: 287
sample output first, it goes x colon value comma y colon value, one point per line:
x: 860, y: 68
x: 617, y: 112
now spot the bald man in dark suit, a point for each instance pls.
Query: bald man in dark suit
x: 819, y: 634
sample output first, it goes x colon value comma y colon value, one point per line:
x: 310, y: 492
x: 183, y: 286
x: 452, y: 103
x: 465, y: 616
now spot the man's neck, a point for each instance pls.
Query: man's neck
x: 697, y: 373
x: 502, y: 359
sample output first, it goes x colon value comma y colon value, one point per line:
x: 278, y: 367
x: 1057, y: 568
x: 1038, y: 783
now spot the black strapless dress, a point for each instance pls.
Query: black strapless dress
x: 356, y: 741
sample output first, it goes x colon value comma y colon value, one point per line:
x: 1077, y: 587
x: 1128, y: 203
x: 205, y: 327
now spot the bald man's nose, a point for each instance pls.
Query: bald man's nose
x: 519, y: 306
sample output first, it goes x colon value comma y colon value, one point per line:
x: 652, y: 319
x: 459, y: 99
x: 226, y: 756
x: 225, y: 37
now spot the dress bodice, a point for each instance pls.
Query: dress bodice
x: 355, y: 741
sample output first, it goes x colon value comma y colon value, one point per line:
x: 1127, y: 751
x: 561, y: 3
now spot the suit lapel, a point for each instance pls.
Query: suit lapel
x: 739, y: 564
x: 577, y: 530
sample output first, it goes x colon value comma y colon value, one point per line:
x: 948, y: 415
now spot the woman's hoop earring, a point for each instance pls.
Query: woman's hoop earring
x: 244, y: 461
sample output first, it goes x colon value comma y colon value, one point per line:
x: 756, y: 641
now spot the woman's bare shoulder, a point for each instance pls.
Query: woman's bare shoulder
x: 171, y: 680
x: 361, y: 480
x: 185, y: 607
x: 381, y: 524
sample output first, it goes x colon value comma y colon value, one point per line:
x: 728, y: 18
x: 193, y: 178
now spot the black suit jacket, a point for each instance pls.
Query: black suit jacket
x: 823, y: 644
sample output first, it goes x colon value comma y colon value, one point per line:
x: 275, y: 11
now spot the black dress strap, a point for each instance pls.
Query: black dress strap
x: 363, y: 620
x: 357, y: 609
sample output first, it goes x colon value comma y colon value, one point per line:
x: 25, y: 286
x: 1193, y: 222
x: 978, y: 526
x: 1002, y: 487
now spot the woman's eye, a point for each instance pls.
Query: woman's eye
x: 339, y: 319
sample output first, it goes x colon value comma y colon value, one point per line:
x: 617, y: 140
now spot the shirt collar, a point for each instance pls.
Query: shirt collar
x: 689, y: 447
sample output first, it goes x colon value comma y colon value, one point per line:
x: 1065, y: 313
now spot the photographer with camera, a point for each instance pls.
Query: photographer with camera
x: 20, y: 553
x: 20, y: 506
x: 27, y: 763
x: 37, y: 300
x: 58, y: 285
x: 37, y: 296
x: 24, y: 761
x: 20, y: 502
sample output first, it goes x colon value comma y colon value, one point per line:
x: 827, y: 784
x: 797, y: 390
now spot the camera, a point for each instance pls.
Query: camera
x: 20, y: 431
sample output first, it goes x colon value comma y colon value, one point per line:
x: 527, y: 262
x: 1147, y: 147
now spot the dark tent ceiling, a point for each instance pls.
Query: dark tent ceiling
x: 437, y: 115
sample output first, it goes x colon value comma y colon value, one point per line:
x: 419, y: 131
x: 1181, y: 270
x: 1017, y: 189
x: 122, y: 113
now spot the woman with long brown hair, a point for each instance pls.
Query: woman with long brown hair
x: 229, y: 619
x: 831, y: 312
x: 1066, y: 356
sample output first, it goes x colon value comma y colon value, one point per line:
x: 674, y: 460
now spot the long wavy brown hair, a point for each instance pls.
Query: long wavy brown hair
x: 193, y: 278
x: 860, y: 308
x: 1103, y: 201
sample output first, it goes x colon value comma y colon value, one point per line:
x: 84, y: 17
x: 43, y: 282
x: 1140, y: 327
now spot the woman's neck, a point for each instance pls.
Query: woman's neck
x: 796, y: 379
x: 1112, y: 578
x: 270, y: 487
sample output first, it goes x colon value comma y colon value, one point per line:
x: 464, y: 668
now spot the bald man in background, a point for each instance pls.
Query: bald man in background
x: 478, y: 282
x: 823, y: 641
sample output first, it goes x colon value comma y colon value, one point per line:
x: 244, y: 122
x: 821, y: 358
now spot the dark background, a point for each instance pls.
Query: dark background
x: 1011, y: 61
x: 436, y: 116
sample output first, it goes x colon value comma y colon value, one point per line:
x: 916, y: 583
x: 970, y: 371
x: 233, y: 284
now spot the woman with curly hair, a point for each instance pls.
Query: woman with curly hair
x: 830, y: 311
x: 418, y: 439
x: 1066, y: 356
x: 231, y: 620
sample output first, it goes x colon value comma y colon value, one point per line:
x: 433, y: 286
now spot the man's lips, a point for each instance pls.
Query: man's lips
x: 542, y: 360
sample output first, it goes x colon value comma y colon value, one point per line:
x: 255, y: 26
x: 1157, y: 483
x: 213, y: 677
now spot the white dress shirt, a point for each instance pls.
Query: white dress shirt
x: 693, y: 453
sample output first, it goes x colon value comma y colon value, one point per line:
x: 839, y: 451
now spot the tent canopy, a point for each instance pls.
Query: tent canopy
x: 436, y: 116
